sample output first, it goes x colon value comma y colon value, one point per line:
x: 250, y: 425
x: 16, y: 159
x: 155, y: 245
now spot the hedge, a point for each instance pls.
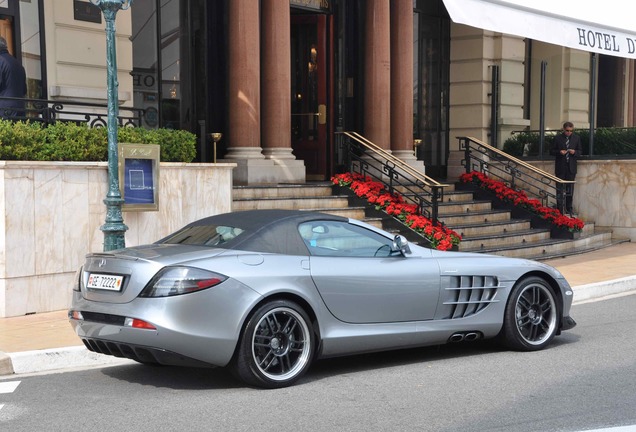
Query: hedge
x: 607, y: 142
x: 64, y: 141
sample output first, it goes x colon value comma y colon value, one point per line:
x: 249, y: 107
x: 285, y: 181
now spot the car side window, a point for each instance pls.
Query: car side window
x: 332, y: 238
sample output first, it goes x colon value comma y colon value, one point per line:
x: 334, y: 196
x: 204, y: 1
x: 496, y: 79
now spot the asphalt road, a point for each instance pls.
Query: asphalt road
x: 585, y: 380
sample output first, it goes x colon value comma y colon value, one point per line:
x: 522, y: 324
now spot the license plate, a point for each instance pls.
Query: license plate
x: 104, y: 282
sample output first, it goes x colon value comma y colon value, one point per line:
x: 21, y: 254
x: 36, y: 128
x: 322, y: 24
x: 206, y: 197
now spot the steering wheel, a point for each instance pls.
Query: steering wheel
x: 380, y: 248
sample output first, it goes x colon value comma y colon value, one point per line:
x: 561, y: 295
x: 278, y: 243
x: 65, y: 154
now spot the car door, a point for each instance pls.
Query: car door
x: 362, y: 281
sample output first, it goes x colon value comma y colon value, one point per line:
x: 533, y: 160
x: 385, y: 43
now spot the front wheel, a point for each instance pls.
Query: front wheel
x: 531, y: 316
x: 276, y: 346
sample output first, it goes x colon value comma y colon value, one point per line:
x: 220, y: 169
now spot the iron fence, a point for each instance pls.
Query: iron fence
x: 52, y: 111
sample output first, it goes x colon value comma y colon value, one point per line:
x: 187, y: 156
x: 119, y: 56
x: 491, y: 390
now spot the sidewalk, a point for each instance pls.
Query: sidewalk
x: 46, y: 341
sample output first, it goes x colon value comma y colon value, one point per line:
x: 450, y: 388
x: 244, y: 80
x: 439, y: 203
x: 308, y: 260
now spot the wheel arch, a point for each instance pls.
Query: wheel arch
x: 289, y: 297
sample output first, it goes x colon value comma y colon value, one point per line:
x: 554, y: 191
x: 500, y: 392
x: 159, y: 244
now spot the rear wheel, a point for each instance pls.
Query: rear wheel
x: 276, y: 346
x: 531, y: 316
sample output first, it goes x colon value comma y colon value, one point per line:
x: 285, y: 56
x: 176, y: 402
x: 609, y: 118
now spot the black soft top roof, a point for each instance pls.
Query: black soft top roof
x: 267, y: 231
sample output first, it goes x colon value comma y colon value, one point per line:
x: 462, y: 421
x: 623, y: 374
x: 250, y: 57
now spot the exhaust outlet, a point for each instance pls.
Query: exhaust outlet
x: 464, y: 337
x: 457, y: 337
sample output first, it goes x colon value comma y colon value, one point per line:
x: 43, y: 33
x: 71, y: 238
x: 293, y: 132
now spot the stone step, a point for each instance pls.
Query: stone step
x: 291, y: 203
x: 282, y: 191
x: 348, y: 212
x: 576, y: 249
x: 463, y: 207
x: 484, y: 217
x: 554, y: 248
x: 496, y: 227
x: 501, y: 240
x: 457, y: 197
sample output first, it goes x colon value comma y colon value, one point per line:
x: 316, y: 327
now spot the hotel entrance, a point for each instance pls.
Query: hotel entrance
x: 311, y: 93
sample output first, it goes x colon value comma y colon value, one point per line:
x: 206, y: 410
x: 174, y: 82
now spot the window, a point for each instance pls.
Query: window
x: 203, y: 235
x: 157, y: 33
x: 329, y: 238
x: 145, y: 63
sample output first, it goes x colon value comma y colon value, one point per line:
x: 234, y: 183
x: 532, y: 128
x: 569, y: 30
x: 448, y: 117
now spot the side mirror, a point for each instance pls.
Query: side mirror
x: 401, y: 244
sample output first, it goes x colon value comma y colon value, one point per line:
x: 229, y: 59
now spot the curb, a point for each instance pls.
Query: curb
x: 602, y: 289
x: 78, y: 356
x: 53, y: 359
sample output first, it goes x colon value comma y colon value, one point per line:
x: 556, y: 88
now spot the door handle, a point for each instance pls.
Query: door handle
x: 322, y: 114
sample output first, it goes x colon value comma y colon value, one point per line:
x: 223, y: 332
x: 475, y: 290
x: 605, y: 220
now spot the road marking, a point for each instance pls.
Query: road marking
x: 631, y: 428
x: 9, y: 386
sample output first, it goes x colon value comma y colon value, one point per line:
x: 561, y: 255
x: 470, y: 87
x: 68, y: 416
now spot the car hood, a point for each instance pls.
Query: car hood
x: 137, y: 265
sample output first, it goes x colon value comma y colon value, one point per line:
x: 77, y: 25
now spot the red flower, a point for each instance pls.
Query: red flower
x: 439, y: 236
x: 519, y: 198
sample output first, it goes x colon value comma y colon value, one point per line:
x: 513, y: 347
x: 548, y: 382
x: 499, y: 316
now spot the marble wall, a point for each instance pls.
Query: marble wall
x: 52, y: 213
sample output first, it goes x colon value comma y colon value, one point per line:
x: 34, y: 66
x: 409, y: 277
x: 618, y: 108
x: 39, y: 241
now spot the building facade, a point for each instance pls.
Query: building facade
x: 280, y: 78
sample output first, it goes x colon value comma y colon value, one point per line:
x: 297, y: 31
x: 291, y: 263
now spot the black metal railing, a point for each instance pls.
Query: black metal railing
x: 362, y: 156
x: 513, y: 172
x: 50, y: 112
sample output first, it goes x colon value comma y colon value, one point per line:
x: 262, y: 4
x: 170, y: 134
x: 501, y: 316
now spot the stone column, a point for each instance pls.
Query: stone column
x: 244, y: 88
x: 276, y: 91
x: 377, y: 68
x: 402, y: 82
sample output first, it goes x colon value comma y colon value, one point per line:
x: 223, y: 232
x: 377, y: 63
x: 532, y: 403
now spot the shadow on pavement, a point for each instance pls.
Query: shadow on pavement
x: 180, y: 378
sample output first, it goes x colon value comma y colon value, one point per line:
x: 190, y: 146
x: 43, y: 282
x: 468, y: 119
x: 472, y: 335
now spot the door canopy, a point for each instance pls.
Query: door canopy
x: 590, y: 25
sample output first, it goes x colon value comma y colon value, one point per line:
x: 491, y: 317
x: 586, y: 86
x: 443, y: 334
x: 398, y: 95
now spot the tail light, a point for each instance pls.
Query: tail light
x: 172, y: 281
x: 77, y: 282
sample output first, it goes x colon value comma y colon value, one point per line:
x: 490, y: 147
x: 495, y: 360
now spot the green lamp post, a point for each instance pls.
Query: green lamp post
x: 114, y: 229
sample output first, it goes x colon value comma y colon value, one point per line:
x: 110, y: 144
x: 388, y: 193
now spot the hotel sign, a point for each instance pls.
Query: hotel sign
x: 586, y: 25
x: 607, y: 42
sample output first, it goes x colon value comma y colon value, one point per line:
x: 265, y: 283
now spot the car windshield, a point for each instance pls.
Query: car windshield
x: 203, y: 235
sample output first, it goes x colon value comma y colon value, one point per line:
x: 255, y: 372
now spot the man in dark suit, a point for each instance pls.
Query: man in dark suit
x: 12, y: 84
x: 566, y: 149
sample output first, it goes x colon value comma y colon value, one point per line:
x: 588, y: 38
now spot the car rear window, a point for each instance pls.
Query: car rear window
x: 203, y: 235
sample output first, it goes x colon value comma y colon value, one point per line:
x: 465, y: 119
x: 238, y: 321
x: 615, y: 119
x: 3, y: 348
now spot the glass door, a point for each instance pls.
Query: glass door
x: 309, y: 93
x: 432, y: 75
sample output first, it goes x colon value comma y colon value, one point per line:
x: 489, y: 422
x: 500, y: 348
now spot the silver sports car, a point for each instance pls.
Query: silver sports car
x: 267, y: 292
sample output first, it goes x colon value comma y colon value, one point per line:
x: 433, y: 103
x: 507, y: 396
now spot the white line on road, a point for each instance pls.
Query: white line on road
x: 9, y: 386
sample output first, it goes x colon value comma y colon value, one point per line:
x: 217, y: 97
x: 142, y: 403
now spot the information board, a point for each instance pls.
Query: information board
x: 139, y: 176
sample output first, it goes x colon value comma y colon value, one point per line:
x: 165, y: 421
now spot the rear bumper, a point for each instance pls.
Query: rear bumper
x: 141, y: 354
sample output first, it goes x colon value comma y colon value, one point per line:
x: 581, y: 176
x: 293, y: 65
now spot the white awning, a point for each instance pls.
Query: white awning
x: 605, y: 27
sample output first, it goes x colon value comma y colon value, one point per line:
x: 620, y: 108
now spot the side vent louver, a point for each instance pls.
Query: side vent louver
x: 466, y: 295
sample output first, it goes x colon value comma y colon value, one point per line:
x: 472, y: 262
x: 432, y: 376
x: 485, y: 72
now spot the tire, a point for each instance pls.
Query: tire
x: 531, y: 317
x: 276, y: 347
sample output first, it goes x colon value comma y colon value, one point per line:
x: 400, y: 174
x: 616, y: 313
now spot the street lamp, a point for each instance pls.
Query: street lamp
x: 114, y: 229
